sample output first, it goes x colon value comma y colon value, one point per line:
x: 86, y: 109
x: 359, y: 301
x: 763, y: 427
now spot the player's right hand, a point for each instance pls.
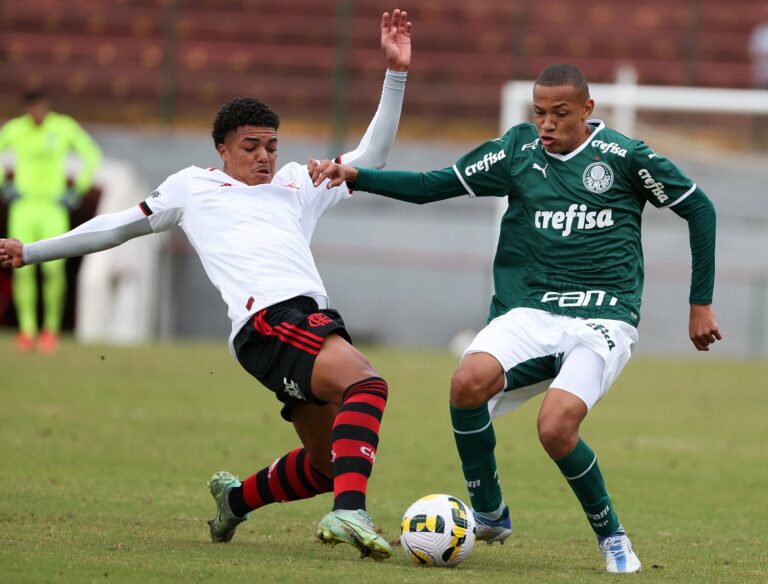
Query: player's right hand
x: 320, y: 170
x: 10, y: 253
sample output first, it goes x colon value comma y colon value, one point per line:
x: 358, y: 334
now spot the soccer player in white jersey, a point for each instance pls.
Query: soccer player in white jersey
x: 251, y: 226
x: 568, y: 277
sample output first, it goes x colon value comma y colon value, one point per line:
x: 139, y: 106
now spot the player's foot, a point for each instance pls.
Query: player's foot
x: 619, y: 556
x: 25, y: 343
x: 225, y: 523
x: 355, y: 527
x: 491, y: 530
x: 48, y: 342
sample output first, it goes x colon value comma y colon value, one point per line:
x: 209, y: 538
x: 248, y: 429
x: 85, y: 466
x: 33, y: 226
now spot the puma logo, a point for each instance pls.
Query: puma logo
x: 540, y: 169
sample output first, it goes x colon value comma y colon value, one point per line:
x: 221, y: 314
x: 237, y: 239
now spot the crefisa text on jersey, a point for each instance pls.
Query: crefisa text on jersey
x: 656, y: 187
x: 609, y: 147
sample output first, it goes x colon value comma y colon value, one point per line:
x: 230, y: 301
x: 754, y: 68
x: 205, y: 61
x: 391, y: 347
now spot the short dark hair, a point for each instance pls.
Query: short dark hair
x: 33, y: 96
x: 243, y: 111
x: 561, y: 75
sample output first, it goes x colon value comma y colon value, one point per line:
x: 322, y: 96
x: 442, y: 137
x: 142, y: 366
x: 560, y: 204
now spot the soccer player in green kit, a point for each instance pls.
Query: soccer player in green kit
x: 40, y: 202
x: 568, y: 277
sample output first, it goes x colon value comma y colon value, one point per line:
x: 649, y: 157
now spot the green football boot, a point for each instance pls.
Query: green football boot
x: 355, y: 527
x: 225, y: 523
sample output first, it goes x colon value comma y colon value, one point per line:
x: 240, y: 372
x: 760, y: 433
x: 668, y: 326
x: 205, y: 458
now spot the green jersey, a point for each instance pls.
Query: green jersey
x: 570, y: 238
x: 40, y: 152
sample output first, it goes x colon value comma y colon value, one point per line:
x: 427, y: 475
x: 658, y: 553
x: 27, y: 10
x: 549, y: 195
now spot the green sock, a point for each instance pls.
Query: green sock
x: 475, y: 441
x: 583, y: 475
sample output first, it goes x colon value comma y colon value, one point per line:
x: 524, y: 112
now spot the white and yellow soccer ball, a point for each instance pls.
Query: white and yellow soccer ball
x: 438, y: 530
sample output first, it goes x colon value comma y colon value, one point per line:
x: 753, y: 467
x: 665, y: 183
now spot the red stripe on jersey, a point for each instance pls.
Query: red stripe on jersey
x: 357, y: 419
x: 307, y: 334
x: 293, y: 476
x: 295, y: 335
x: 249, y: 303
x: 349, y: 481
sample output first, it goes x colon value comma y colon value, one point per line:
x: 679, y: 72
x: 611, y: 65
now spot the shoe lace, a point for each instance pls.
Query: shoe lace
x: 615, y: 545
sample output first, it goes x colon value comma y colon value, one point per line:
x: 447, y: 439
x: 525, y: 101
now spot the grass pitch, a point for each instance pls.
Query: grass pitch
x: 105, y: 452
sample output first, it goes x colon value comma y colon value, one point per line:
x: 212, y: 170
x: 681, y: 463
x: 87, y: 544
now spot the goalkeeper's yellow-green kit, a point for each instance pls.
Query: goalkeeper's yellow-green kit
x: 40, y: 181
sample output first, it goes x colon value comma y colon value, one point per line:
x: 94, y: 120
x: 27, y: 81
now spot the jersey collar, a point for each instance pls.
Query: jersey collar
x: 597, y: 124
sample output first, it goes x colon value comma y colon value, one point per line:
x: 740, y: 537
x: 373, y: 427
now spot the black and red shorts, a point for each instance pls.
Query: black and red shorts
x: 279, y: 345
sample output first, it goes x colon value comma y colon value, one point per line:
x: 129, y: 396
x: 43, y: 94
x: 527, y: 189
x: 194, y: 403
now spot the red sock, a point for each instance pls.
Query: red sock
x: 355, y: 438
x: 289, y: 478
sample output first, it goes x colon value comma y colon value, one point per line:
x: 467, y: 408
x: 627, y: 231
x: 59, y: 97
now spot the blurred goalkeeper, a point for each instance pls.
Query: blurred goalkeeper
x: 251, y: 227
x: 39, y: 204
x: 568, y: 279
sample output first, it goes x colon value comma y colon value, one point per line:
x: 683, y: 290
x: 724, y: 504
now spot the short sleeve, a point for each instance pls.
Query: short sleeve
x: 484, y: 171
x: 658, y: 179
x: 164, y: 207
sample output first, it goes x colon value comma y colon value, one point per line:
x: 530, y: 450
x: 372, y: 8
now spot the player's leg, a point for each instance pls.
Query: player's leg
x: 54, y: 221
x: 478, y: 378
x: 22, y: 225
x: 343, y: 376
x: 504, y: 366
x: 578, y: 386
x: 299, y: 474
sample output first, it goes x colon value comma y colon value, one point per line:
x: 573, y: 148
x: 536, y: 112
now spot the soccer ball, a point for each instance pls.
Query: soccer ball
x: 437, y: 530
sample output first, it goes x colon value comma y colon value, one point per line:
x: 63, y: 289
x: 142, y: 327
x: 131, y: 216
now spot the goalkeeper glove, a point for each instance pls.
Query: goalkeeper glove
x: 8, y: 193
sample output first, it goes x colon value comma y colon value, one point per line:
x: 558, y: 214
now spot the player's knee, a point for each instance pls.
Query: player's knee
x: 468, y: 389
x: 557, y: 436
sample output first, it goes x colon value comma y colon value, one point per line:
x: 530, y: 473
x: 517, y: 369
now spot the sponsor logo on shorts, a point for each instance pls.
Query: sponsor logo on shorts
x: 598, y: 177
x: 578, y: 298
x: 318, y: 319
x: 485, y: 163
x: 473, y: 485
x: 577, y: 216
x: 603, y: 331
x: 656, y: 187
x: 292, y: 389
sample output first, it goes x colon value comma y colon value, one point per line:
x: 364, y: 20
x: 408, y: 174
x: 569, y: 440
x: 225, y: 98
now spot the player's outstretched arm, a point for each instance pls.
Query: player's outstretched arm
x: 702, y: 327
x: 100, y: 233
x: 375, y: 145
x: 10, y: 253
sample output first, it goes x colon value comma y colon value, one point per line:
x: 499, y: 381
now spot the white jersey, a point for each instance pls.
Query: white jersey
x: 253, y: 241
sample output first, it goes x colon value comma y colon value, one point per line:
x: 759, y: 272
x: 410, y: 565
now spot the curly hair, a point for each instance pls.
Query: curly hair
x: 243, y: 111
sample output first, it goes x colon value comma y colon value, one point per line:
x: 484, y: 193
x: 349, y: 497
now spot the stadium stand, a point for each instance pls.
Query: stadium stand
x: 179, y: 58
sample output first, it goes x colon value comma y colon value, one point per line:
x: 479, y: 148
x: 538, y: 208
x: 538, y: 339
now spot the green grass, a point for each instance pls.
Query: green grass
x: 105, y: 451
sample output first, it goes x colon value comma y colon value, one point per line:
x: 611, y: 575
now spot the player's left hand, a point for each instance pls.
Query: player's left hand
x: 10, y: 253
x: 702, y: 328
x: 396, y: 40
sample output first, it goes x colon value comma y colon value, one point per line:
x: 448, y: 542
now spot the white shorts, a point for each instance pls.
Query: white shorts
x: 534, y: 346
